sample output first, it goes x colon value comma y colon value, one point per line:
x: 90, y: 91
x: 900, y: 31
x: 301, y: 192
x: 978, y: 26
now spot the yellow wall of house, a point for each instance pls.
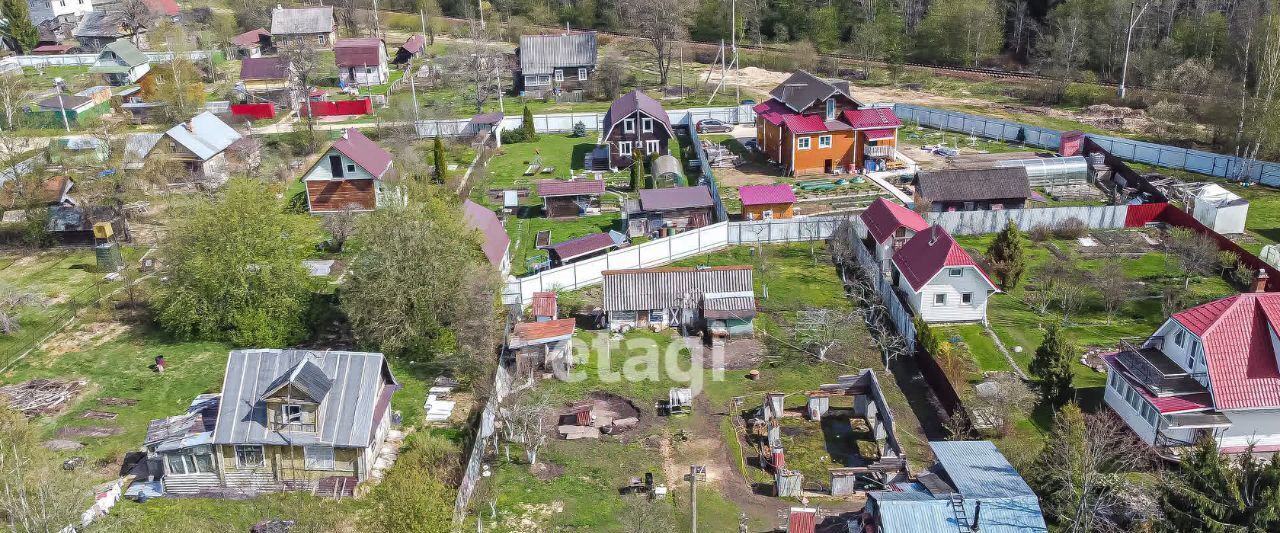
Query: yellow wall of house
x: 265, y: 85
x: 287, y: 463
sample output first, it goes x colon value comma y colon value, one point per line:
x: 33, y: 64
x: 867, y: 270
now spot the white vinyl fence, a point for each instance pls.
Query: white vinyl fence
x: 11, y: 62
x: 979, y: 222
x: 563, y: 122
x: 663, y: 251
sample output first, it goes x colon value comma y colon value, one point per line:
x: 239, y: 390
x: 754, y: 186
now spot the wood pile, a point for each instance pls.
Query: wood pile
x: 41, y: 396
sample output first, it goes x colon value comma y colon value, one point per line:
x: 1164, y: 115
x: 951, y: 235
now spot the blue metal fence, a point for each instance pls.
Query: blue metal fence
x: 1198, y: 161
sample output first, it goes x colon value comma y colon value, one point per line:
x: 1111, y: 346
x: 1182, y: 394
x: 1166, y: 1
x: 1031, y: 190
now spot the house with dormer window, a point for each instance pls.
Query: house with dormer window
x: 940, y: 280
x: 635, y: 121
x: 1210, y: 371
x: 813, y: 126
x: 350, y: 175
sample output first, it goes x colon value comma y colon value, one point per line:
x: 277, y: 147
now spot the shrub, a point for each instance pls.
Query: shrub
x: 1040, y: 233
x: 1071, y: 228
x: 579, y: 129
x: 514, y: 136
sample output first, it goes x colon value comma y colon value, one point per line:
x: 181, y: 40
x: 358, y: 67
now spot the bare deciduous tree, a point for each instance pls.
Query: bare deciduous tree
x: 662, y: 23
x: 304, y: 68
x: 1114, y: 287
x: 644, y: 515
x: 1196, y: 254
x: 1001, y: 403
x: 13, y: 90
x: 339, y: 226
x: 35, y: 495
x: 13, y: 299
x: 524, y: 421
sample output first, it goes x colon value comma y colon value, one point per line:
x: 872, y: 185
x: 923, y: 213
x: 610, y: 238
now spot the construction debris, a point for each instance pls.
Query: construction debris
x: 41, y: 396
x: 719, y: 156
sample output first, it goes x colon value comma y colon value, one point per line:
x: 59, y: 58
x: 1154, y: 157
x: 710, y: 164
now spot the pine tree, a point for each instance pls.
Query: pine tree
x: 438, y: 158
x: 1052, y: 366
x: 20, y: 30
x: 636, y: 170
x: 1008, y: 261
x: 530, y: 133
x: 1209, y: 493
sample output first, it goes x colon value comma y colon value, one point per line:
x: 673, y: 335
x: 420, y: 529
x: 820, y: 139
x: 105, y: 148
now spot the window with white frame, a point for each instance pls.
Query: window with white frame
x: 195, y: 460
x: 651, y: 146
x: 646, y: 125
x: 624, y: 148
x: 629, y: 125
x: 802, y: 143
x: 940, y: 299
x: 824, y: 141
x: 582, y: 74
x: 955, y: 272
x: 559, y: 75
x: 1180, y: 338
x: 966, y: 298
x: 250, y: 456
x: 318, y: 457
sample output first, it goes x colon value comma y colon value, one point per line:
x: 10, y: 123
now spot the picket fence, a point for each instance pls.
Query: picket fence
x: 663, y: 251
x: 980, y: 222
x: 564, y: 122
x: 1198, y: 161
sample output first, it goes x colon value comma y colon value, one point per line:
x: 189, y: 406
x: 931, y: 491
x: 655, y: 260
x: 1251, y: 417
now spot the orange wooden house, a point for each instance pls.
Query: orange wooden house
x: 766, y: 202
x: 814, y: 126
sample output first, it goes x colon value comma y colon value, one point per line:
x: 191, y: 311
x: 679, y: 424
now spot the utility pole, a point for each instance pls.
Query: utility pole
x: 681, y: 71
x: 1133, y: 22
x: 377, y: 30
x: 413, y: 90
x: 693, y: 497
x: 733, y: 39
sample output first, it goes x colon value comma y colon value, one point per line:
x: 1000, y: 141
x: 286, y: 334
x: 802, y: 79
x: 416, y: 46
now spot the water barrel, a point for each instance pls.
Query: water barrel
x: 108, y: 257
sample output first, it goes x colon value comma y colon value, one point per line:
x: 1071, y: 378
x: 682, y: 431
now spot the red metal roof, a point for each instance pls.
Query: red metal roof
x: 163, y: 7
x: 766, y: 194
x: 926, y: 254
x: 1236, y: 335
x: 414, y: 44
x: 364, y: 152
x: 358, y: 51
x: 250, y: 38
x: 264, y: 68
x: 804, y: 123
x: 876, y: 117
x: 772, y: 111
x: 886, y: 133
x: 1167, y: 404
x: 583, y: 245
x: 50, y: 49
x: 802, y: 520
x: 883, y: 218
x: 534, y: 331
x: 544, y: 304
x: 496, y: 239
x: 553, y: 188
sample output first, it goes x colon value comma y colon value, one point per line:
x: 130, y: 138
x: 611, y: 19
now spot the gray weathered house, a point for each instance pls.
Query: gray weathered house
x: 673, y: 209
x: 307, y: 27
x: 721, y: 298
x: 555, y: 63
x: 973, y: 190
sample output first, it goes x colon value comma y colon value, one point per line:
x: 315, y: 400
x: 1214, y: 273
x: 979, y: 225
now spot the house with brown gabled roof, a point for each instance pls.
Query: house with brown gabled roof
x: 251, y: 43
x: 571, y: 198
x: 634, y: 121
x: 674, y: 209
x: 350, y: 175
x: 972, y: 190
x: 263, y: 74
x: 1208, y: 371
x: 361, y: 61
x: 942, y: 282
x: 496, y: 243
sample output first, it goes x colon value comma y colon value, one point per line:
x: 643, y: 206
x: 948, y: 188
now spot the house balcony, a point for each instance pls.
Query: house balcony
x: 878, y: 151
x: 1147, y: 363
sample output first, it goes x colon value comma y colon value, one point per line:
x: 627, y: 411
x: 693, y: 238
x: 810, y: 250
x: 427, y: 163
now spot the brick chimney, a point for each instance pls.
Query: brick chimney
x: 1260, y: 281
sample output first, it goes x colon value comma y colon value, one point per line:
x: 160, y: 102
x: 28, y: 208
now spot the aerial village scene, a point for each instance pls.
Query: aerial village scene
x: 641, y: 266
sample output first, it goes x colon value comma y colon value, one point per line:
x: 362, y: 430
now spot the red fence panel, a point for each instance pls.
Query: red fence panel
x: 1137, y: 216
x: 256, y: 111
x: 330, y: 108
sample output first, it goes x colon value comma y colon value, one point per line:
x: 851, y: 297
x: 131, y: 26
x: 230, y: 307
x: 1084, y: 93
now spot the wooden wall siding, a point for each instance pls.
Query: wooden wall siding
x: 561, y: 206
x: 862, y: 142
x: 813, y: 160
x: 336, y: 195
x: 756, y: 212
x: 681, y: 218
x: 285, y: 464
x: 265, y: 85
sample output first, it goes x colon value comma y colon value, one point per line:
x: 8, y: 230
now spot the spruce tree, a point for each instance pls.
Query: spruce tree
x: 1008, y: 261
x: 438, y: 159
x: 1209, y: 493
x: 20, y: 31
x: 636, y: 170
x: 1052, y: 366
x: 530, y: 133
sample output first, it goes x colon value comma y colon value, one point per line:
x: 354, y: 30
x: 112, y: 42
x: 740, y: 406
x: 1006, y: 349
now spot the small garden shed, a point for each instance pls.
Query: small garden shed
x: 1222, y: 210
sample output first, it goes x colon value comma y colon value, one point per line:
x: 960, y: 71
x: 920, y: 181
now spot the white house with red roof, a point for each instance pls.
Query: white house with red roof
x: 350, y: 175
x: 942, y: 282
x: 887, y: 227
x: 1211, y: 370
x: 361, y: 61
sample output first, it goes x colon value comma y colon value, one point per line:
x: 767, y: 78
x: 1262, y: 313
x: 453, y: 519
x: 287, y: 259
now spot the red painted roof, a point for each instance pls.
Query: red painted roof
x: 164, y: 7
x: 802, y: 520
x: 804, y: 123
x: 552, y: 188
x: 357, y: 52
x: 766, y: 194
x: 264, y: 68
x: 883, y: 218
x: 414, y: 44
x: 926, y: 254
x: 886, y: 133
x: 1236, y: 335
x: 535, y: 331
x: 496, y: 240
x: 544, y: 304
x: 364, y: 152
x: 875, y: 117
x: 1167, y: 404
x: 250, y: 38
x: 583, y: 245
x: 772, y: 111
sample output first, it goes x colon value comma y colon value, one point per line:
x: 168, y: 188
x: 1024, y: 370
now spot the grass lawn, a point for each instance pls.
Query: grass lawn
x: 524, y: 231
x: 1263, y: 223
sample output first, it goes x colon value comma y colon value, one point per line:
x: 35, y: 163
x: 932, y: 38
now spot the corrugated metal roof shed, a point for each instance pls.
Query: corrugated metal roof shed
x: 978, y: 470
x: 204, y: 135
x: 302, y: 21
x: 542, y: 54
x: 348, y: 416
x: 667, y: 288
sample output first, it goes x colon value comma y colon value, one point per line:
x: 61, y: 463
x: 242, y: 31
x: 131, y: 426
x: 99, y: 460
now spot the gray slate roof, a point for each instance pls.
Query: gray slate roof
x: 971, y: 185
x: 542, y: 54
x: 126, y: 51
x: 137, y: 146
x: 205, y: 135
x: 100, y: 24
x: 305, y: 377
x: 301, y: 21
x: 667, y: 288
x: 802, y: 89
x: 349, y: 414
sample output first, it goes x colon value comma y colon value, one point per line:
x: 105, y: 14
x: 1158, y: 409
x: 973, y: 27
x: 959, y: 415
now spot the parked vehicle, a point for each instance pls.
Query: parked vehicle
x: 752, y: 145
x: 713, y: 126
